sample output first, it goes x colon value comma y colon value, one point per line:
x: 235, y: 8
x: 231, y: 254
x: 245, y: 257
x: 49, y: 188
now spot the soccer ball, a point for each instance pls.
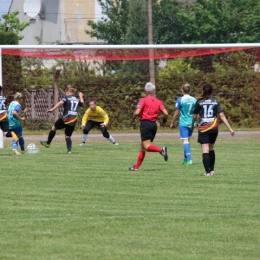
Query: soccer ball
x: 32, y: 148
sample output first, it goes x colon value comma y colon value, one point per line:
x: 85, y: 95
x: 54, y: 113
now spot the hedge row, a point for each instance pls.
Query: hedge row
x: 238, y: 93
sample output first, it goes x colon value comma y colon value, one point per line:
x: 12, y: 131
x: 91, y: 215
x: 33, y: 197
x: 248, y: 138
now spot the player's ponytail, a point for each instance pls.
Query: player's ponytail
x: 207, y: 91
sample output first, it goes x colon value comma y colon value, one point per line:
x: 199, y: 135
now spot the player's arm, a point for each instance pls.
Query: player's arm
x: 225, y: 121
x: 194, y: 119
x: 165, y: 112
x: 174, y: 117
x: 85, y: 118
x: 59, y: 104
x: 16, y: 114
x: 81, y: 99
x: 105, y: 116
x: 136, y: 113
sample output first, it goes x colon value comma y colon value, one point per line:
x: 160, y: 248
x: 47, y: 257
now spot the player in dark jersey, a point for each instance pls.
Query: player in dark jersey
x: 68, y: 121
x: 148, y: 109
x: 207, y: 109
x: 4, y: 126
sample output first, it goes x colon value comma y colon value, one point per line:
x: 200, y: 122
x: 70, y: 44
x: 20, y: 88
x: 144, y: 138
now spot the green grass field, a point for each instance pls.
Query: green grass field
x: 87, y: 205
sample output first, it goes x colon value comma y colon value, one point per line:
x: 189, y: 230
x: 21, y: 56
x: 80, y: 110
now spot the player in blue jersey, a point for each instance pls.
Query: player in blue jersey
x: 4, y: 126
x: 184, y: 111
x: 68, y: 121
x: 14, y: 118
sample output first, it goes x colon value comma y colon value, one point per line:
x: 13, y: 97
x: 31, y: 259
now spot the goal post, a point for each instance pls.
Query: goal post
x: 175, y: 64
x: 1, y: 84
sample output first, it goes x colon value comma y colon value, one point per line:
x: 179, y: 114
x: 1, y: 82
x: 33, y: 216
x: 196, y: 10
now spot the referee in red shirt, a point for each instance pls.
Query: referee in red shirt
x: 148, y: 109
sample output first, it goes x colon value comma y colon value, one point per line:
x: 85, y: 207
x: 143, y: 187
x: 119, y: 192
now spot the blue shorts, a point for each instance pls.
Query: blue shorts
x: 185, y: 132
x: 18, y: 130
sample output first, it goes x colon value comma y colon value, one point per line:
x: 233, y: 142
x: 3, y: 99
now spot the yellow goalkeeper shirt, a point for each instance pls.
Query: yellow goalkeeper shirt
x: 99, y: 115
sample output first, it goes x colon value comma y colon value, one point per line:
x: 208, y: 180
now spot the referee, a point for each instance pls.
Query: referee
x: 148, y: 109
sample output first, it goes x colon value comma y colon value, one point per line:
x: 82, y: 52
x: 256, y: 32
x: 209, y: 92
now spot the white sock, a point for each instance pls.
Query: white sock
x: 84, y: 138
x: 111, y: 139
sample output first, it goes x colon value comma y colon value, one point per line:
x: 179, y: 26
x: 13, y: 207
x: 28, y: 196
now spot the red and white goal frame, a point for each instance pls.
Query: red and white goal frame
x: 117, y: 52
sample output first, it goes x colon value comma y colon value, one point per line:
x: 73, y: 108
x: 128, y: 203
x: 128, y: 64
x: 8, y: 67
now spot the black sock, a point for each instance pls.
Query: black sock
x: 212, y: 159
x: 51, y: 136
x: 69, y: 143
x: 206, y: 162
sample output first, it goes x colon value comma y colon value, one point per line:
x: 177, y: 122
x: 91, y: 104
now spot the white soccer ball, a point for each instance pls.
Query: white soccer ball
x: 32, y: 148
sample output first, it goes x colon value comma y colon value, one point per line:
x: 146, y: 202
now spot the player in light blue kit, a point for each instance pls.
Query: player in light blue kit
x: 14, y: 118
x: 184, y: 111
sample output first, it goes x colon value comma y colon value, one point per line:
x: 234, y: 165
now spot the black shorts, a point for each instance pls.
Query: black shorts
x: 91, y: 124
x: 208, y: 137
x: 59, y: 124
x: 148, y: 130
x: 4, y: 125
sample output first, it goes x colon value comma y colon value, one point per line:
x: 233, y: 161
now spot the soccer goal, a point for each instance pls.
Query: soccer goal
x: 114, y: 75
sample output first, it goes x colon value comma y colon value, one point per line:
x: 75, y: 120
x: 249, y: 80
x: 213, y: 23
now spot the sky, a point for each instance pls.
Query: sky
x: 4, y: 6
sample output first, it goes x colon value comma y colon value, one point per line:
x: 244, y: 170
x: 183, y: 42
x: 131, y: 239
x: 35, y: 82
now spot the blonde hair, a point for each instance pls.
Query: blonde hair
x: 71, y: 89
x: 18, y: 95
x: 186, y: 88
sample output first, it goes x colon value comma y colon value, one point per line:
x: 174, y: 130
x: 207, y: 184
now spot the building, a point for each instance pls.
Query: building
x: 56, y: 21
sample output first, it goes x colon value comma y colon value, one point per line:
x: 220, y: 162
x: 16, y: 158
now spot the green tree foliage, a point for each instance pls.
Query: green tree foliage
x: 176, y: 66
x: 137, y: 28
x: 11, y: 65
x: 123, y: 22
x: 137, y: 34
x: 11, y: 23
x: 177, y: 22
x: 8, y: 38
x: 37, y: 72
x: 113, y: 24
x: 207, y: 21
x: 167, y: 23
x: 10, y: 28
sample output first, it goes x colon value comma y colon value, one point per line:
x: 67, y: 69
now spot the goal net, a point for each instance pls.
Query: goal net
x: 115, y: 76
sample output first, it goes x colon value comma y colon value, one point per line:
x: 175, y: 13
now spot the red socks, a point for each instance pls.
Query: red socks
x: 154, y: 148
x: 140, y: 159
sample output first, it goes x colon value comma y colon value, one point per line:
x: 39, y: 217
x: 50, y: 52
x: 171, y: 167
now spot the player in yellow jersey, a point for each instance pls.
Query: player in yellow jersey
x: 95, y: 116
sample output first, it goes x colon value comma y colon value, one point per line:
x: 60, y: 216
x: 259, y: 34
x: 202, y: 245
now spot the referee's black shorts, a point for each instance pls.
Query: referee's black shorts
x: 148, y: 130
x: 208, y: 137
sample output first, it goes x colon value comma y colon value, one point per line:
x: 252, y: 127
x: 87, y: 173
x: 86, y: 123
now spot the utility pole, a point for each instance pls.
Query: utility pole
x: 150, y: 41
x: 56, y: 92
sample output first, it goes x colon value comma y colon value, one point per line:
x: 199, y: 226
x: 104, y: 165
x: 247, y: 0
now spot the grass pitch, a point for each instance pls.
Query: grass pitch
x: 87, y: 205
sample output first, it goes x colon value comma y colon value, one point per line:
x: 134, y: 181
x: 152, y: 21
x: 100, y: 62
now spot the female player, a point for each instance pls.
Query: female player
x: 208, y: 108
x: 68, y: 121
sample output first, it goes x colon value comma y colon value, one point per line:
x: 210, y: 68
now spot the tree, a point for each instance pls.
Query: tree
x: 137, y: 28
x: 207, y: 21
x: 123, y: 22
x: 177, y: 22
x: 168, y: 27
x: 113, y: 24
x: 11, y: 23
x: 137, y: 33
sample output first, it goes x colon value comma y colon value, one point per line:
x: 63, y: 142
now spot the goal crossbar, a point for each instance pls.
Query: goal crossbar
x: 122, y: 52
